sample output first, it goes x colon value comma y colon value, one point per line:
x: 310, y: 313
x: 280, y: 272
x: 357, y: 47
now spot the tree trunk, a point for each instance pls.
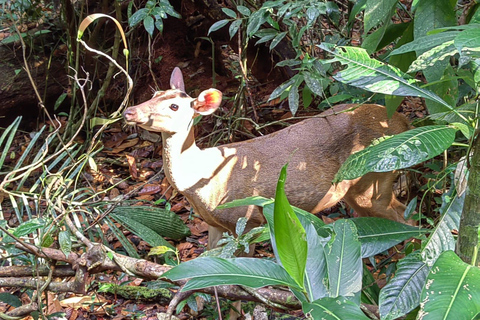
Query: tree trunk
x: 467, y: 245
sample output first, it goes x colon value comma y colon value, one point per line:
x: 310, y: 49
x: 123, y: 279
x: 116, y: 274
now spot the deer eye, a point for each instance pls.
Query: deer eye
x: 173, y: 107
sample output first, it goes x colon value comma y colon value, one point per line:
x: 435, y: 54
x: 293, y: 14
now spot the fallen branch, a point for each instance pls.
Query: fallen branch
x: 96, y: 260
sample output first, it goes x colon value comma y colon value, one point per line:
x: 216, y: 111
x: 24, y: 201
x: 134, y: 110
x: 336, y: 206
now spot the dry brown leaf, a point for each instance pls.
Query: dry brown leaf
x: 123, y: 146
x: 81, y: 301
x: 132, y: 166
x: 150, y: 188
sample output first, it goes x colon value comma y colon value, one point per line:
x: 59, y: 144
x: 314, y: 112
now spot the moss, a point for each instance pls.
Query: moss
x: 140, y: 293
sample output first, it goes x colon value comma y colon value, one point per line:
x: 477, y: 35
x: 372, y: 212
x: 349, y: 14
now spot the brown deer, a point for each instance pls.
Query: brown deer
x: 315, y: 148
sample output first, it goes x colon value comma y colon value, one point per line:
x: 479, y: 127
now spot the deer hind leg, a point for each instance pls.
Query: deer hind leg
x: 333, y: 195
x: 372, y: 196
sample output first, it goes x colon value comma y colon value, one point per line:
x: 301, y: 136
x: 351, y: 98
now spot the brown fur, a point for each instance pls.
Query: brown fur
x: 315, y: 148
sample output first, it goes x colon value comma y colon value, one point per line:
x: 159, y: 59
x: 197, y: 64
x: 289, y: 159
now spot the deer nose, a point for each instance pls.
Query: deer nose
x: 130, y: 114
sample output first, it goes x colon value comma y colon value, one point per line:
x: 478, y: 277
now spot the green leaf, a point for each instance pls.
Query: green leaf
x: 372, y: 75
x: 255, y: 20
x: 453, y: 289
x: 316, y: 267
x: 65, y: 242
x: 441, y: 238
x: 159, y: 26
x: 468, y: 44
x: 291, y: 240
x: 144, y: 232
x: 402, y: 292
x: 163, y: 222
x: 277, y: 39
x: 430, y: 57
x: 59, y: 101
x: 293, y: 99
x: 10, y: 299
x: 426, y: 42
x: 217, y: 25
x: 315, y: 83
x: 232, y: 30
x: 137, y: 17
x: 168, y: 8
x: 265, y: 35
x: 29, y: 227
x: 344, y: 261
x: 377, y: 235
x: 149, y: 25
x: 433, y: 14
x: 244, y: 10
x: 377, y: 12
x: 211, y: 271
x: 398, y: 152
x: 281, y: 89
x: 230, y: 13
x: 7, y: 137
x: 254, y: 200
x: 333, y: 309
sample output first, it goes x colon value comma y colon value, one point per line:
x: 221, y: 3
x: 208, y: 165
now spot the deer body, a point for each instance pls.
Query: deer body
x: 315, y: 148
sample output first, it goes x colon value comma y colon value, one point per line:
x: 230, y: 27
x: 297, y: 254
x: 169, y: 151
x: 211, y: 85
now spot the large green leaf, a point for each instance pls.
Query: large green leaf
x: 426, y: 42
x: 333, y: 309
x: 377, y: 12
x: 453, y: 290
x: 432, y: 56
x: 468, y: 44
x: 164, y: 222
x: 316, y: 268
x: 344, y: 261
x: 402, y: 292
x: 375, y: 76
x: 400, y: 151
x: 290, y: 237
x: 141, y: 230
x: 254, y: 200
x: 377, y: 235
x: 441, y: 238
x: 211, y: 271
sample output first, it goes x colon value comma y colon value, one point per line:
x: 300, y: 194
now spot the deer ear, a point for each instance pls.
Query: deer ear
x: 207, y: 102
x: 176, y: 80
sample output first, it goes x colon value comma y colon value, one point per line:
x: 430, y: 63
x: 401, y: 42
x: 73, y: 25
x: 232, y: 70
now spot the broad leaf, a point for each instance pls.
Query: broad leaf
x: 254, y: 200
x: 217, y: 25
x: 430, y: 57
x: 377, y: 12
x: 144, y: 232
x: 453, y: 290
x: 402, y: 292
x: 375, y: 76
x: 344, y: 261
x: 433, y: 14
x: 400, y: 151
x: 281, y: 89
x: 65, y: 242
x: 426, y: 42
x: 290, y: 237
x: 164, y: 222
x: 377, y: 235
x: 137, y: 17
x: 232, y: 30
x: 316, y: 268
x: 315, y: 83
x: 28, y: 227
x: 211, y: 271
x: 333, y: 309
x: 229, y: 12
x: 441, y: 238
x: 149, y: 25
